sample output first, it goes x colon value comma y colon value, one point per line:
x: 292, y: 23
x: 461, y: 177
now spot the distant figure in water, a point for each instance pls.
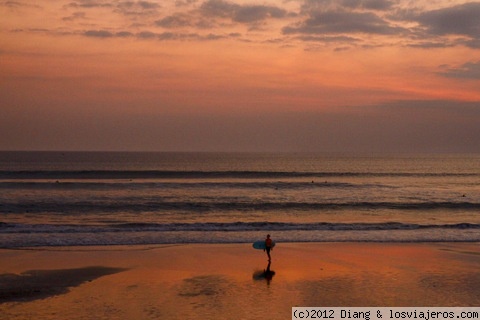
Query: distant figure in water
x: 268, y: 246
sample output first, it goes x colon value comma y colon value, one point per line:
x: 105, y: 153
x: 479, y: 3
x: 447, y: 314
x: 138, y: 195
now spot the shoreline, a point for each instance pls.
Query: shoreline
x: 218, y: 281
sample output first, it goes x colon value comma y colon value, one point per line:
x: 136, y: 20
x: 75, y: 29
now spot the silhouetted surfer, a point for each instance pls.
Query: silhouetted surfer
x: 268, y: 246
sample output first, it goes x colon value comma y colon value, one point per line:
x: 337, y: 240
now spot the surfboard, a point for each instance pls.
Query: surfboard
x: 260, y: 244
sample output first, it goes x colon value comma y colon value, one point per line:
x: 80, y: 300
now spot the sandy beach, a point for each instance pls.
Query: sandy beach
x: 231, y: 281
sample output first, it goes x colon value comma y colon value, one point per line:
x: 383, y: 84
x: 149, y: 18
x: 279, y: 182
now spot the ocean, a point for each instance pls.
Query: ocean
x: 129, y: 198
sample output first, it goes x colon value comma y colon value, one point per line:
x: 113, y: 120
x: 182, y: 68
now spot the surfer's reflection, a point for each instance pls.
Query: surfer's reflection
x: 267, y: 274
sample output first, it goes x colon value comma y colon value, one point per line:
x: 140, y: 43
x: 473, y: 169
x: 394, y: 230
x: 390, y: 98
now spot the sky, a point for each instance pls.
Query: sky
x: 240, y: 75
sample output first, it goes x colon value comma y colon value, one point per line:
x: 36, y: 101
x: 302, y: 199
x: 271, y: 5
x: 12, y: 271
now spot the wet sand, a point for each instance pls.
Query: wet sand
x: 233, y: 281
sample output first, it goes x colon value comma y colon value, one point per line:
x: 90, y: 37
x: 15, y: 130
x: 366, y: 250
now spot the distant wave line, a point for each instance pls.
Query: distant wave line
x: 83, y: 185
x: 115, y: 205
x: 159, y: 174
x: 225, y: 227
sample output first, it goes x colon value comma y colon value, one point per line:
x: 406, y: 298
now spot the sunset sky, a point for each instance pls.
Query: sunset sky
x: 240, y: 75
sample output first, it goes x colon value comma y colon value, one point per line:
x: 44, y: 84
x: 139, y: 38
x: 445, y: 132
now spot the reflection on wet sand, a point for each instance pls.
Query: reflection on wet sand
x: 267, y: 274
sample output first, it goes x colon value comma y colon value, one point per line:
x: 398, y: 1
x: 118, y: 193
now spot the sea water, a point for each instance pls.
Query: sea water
x: 119, y: 198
